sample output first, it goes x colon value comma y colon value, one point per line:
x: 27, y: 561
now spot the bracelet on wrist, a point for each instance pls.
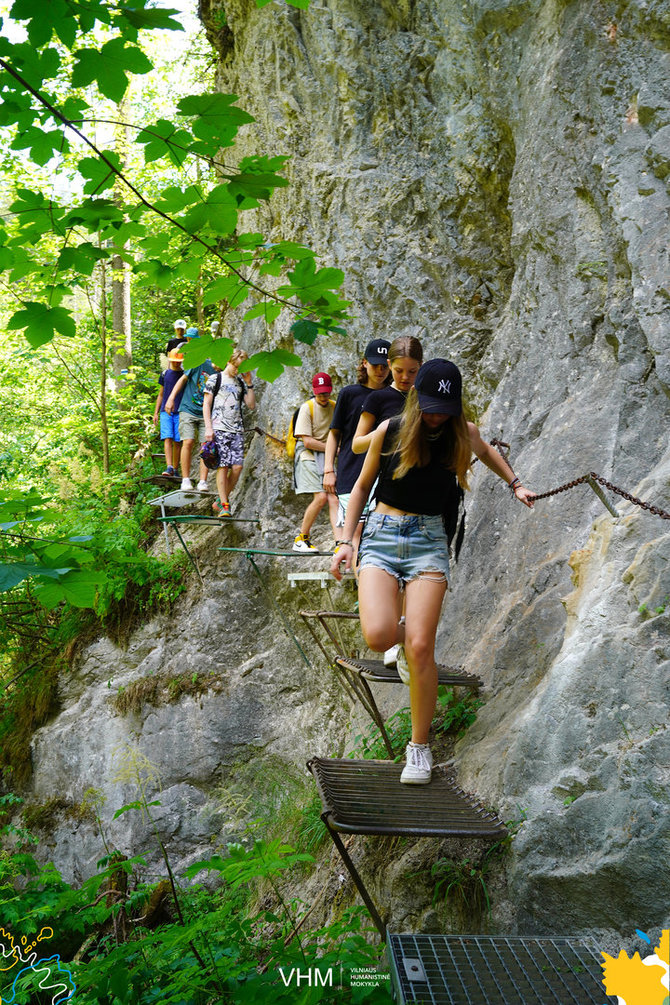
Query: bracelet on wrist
x: 339, y: 544
x: 514, y: 484
x: 330, y: 471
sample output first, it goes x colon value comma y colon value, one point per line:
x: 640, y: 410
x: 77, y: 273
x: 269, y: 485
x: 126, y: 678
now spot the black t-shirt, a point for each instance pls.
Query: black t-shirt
x: 345, y: 419
x: 431, y: 490
x: 384, y: 404
x: 173, y: 343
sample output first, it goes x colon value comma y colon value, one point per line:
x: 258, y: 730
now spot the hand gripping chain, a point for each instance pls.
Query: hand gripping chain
x: 503, y: 450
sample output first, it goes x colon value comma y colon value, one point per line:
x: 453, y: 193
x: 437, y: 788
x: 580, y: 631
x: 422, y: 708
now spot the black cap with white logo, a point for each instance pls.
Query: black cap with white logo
x: 377, y: 351
x: 438, y: 386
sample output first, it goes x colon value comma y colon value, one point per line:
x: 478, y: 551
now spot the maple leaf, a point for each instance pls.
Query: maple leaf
x: 634, y: 981
x: 663, y: 947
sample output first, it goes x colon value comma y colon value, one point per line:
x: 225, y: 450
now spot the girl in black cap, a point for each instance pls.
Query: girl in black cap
x: 421, y: 458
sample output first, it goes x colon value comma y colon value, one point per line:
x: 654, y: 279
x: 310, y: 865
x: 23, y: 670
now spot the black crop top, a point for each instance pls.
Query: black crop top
x: 432, y: 490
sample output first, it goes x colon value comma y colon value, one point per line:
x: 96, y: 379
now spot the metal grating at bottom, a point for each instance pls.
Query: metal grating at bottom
x: 495, y: 970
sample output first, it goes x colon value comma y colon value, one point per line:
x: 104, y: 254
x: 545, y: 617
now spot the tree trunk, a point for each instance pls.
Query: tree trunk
x: 103, y: 368
x: 122, y: 348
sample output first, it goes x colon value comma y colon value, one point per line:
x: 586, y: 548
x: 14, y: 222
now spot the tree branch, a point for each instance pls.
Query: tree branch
x: 144, y: 202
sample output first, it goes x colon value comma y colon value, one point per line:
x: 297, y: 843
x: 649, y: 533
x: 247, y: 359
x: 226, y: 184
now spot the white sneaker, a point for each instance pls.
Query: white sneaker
x: 418, y: 764
x: 303, y: 543
x: 186, y: 485
x: 390, y: 656
x: 402, y: 665
x: 202, y: 486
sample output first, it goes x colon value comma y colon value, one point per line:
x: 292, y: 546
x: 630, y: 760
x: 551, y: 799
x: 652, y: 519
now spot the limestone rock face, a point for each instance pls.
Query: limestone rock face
x: 494, y: 177
x: 224, y: 752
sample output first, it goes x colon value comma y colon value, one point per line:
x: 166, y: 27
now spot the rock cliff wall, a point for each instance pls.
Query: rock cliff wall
x: 492, y: 176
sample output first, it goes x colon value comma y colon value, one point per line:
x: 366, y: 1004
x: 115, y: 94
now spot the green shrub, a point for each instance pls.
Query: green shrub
x: 221, y: 953
x: 454, y: 715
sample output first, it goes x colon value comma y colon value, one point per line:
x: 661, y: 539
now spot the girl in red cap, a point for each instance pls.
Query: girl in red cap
x: 421, y: 459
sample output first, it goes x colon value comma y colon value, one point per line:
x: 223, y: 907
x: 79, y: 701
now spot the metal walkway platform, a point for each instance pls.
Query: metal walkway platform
x: 322, y: 577
x: 375, y: 670
x: 496, y: 970
x: 366, y: 797
x: 177, y: 499
x: 282, y: 554
x: 355, y: 673
x: 221, y: 521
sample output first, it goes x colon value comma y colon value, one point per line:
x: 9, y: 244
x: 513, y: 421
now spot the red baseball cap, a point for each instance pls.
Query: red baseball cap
x: 321, y: 383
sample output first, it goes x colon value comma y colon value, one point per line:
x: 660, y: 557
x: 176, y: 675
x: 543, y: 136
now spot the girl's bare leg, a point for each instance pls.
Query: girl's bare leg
x: 423, y: 603
x: 377, y: 604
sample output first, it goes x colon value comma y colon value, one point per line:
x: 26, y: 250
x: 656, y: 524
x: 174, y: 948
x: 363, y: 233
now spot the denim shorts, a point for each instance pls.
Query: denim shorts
x: 405, y: 546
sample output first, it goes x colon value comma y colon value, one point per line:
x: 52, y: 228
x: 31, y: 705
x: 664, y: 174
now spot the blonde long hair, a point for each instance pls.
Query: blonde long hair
x: 414, y: 448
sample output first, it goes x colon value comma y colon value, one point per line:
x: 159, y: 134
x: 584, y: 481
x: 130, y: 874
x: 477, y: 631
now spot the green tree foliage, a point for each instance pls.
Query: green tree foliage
x: 178, y: 221
x: 50, y: 246
x: 202, y: 946
x: 73, y: 534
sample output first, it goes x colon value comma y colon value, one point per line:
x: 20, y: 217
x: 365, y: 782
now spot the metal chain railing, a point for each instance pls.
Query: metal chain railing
x: 503, y: 450
x: 656, y: 510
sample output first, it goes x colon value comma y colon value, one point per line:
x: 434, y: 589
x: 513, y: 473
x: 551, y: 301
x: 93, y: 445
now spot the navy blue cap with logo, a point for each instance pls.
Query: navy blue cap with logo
x: 377, y: 351
x: 438, y: 386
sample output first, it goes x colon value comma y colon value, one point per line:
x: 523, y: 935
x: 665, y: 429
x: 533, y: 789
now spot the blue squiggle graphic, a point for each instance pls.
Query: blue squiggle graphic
x: 63, y: 990
x: 54, y: 976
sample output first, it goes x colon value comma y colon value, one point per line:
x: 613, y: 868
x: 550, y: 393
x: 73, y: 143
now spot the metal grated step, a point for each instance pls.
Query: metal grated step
x: 220, y: 521
x: 366, y: 797
x: 495, y: 970
x: 375, y: 670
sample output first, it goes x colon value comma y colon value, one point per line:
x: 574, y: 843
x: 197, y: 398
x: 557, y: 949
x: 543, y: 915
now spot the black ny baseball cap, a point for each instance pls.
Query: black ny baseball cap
x: 438, y: 385
x: 377, y: 351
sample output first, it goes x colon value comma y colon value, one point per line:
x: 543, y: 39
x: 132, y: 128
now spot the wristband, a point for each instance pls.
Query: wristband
x: 330, y: 471
x: 339, y: 543
x: 514, y: 484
